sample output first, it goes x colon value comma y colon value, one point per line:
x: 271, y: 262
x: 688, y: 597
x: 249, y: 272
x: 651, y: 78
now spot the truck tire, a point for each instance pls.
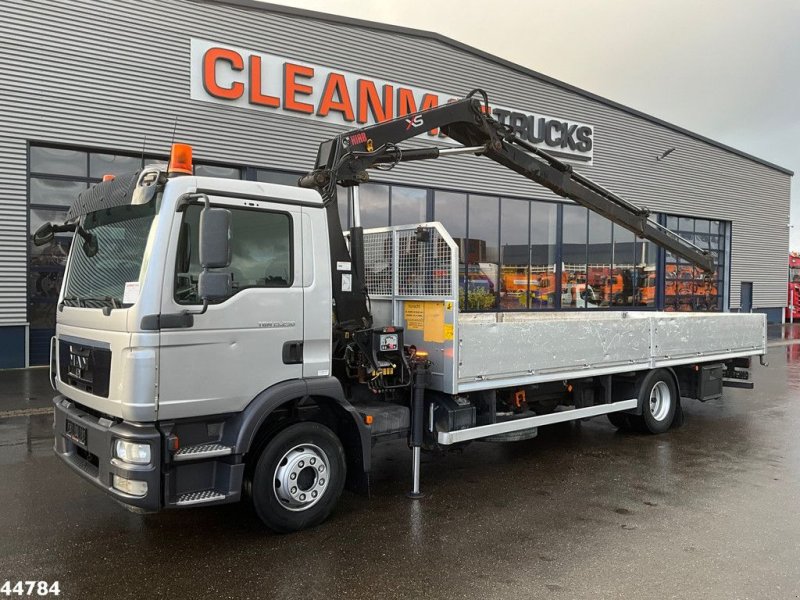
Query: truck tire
x: 658, y: 397
x: 298, y: 477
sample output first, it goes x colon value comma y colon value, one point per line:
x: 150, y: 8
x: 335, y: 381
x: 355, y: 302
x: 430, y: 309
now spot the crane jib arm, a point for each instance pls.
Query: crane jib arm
x: 346, y: 158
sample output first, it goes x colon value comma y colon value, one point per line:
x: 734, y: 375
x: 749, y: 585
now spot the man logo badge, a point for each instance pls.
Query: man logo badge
x: 77, y: 361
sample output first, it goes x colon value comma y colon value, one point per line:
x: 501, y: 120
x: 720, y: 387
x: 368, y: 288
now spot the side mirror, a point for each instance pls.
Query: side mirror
x: 44, y: 235
x: 215, y: 253
x: 213, y: 285
x: 215, y: 234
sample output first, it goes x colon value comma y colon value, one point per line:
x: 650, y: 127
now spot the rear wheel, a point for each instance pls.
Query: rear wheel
x: 658, y: 397
x: 298, y: 477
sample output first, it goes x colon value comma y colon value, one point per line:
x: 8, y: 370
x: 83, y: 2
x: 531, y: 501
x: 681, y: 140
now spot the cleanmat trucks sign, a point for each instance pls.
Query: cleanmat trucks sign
x: 255, y: 80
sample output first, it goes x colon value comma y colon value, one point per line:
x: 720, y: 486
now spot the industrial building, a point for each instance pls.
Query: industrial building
x: 92, y: 88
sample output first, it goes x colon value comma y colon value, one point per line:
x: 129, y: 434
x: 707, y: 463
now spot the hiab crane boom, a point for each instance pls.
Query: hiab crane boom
x: 346, y: 158
x: 218, y: 338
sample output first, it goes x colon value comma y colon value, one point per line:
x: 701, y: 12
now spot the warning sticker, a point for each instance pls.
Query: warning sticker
x: 415, y: 315
x: 434, y: 322
x: 448, y: 331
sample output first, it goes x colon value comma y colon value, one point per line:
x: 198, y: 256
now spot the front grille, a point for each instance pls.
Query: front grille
x: 85, y: 367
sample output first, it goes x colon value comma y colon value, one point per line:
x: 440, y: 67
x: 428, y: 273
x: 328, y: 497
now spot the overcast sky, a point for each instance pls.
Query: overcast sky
x: 727, y: 69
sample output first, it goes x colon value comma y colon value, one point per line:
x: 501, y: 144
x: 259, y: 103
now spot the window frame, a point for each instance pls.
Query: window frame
x: 291, y: 281
x: 249, y: 172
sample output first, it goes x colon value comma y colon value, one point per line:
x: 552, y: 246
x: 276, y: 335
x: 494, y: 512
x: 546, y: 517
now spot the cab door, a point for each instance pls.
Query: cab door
x: 248, y: 341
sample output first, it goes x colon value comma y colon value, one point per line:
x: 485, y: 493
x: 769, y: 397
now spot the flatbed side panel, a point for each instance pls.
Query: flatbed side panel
x: 690, y: 336
x: 500, y: 349
x: 505, y: 349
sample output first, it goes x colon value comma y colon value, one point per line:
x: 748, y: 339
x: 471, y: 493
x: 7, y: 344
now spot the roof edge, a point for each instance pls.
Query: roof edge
x: 431, y: 35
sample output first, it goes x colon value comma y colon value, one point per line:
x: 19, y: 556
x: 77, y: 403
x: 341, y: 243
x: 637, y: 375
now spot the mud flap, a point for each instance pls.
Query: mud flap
x: 678, y: 419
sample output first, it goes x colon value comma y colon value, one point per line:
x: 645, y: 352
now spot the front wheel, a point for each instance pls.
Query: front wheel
x: 658, y: 397
x: 298, y: 477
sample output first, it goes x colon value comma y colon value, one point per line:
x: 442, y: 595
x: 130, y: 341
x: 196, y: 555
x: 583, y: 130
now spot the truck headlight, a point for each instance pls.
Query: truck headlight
x: 130, y: 486
x: 132, y: 452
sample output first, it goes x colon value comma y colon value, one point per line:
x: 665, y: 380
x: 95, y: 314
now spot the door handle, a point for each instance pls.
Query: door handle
x: 293, y: 353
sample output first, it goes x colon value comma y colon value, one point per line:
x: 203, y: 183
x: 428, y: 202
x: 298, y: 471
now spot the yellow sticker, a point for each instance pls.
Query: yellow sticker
x: 448, y: 306
x: 448, y: 331
x: 434, y: 322
x: 415, y: 315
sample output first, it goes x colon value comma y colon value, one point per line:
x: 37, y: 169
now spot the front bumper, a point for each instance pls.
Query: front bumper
x: 94, y: 460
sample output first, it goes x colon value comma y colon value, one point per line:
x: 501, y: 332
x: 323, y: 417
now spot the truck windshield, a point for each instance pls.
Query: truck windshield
x: 121, y: 235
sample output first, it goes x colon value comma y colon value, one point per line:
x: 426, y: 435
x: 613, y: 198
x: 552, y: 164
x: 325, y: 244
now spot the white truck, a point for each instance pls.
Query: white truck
x: 218, y: 338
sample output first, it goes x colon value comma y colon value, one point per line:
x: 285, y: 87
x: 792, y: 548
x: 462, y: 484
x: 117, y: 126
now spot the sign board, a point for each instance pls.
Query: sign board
x: 254, y: 80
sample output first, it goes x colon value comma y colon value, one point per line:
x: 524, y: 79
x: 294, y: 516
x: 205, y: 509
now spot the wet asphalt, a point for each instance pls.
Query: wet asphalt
x: 709, y: 510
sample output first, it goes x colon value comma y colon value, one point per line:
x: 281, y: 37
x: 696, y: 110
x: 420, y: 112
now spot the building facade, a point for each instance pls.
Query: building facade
x: 91, y: 87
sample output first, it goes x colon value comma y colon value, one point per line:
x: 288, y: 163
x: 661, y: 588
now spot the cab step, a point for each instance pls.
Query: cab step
x: 202, y: 497
x: 202, y: 451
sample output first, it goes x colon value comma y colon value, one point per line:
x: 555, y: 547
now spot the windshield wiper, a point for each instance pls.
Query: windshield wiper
x: 81, y: 302
x: 78, y: 301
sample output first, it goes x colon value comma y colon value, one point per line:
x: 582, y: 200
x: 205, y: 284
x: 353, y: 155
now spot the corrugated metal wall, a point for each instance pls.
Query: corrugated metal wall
x: 105, y: 74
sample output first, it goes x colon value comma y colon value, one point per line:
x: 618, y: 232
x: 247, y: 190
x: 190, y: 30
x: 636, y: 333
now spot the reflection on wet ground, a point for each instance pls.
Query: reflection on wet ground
x: 705, y: 511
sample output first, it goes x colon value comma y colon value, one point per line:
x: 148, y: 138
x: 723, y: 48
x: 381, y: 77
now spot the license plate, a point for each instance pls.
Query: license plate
x: 75, y: 432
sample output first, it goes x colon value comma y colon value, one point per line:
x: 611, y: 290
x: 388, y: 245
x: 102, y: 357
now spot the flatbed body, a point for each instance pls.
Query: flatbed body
x: 474, y: 351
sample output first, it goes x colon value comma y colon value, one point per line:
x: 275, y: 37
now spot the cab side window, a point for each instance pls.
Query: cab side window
x: 261, y: 252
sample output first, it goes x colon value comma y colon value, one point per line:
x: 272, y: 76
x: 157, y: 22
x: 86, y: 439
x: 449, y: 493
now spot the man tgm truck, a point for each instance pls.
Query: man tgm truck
x: 218, y: 338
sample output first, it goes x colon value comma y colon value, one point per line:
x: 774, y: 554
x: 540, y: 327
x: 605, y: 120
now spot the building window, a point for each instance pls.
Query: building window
x: 544, y: 229
x: 225, y: 171
x: 408, y: 205
x: 112, y: 164
x: 686, y: 287
x: 57, y: 176
x: 59, y: 161
x: 280, y: 177
x: 574, y: 246
x: 645, y: 286
x: 374, y: 201
x: 602, y: 287
x: 515, y: 254
x: 624, y: 269
x: 450, y: 209
x: 482, y: 276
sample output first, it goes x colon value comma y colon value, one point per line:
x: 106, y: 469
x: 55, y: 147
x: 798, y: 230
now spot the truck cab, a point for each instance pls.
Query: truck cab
x: 160, y: 397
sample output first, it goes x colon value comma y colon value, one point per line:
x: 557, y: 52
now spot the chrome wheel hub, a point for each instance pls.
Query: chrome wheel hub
x: 301, y: 477
x: 660, y: 401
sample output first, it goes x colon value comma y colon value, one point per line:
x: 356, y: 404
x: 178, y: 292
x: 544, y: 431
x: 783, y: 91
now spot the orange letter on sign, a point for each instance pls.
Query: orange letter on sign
x: 256, y: 97
x: 210, y: 59
x: 405, y: 102
x: 368, y: 99
x: 336, y: 84
x: 291, y: 88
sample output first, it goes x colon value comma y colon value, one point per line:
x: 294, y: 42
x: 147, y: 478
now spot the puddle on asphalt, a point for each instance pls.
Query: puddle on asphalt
x: 24, y: 437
